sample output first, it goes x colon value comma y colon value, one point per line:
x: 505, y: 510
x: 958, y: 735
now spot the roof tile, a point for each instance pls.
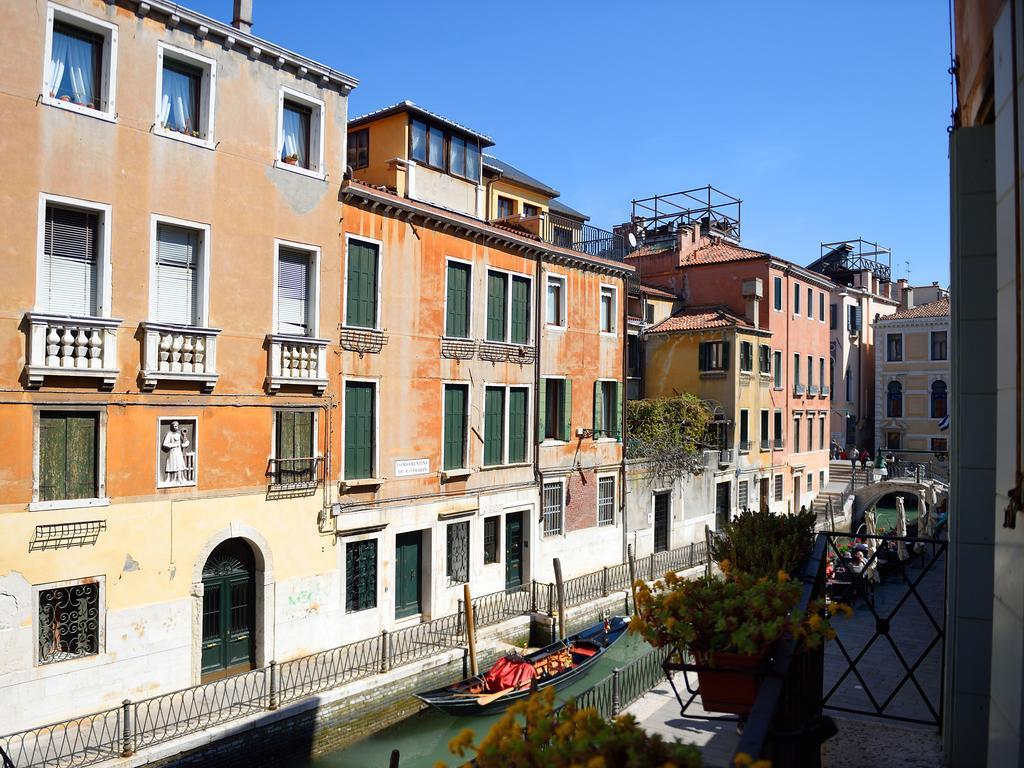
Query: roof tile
x: 938, y: 308
x: 699, y: 318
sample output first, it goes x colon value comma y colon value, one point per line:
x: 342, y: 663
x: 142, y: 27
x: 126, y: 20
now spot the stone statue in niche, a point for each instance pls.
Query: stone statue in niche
x: 179, y: 462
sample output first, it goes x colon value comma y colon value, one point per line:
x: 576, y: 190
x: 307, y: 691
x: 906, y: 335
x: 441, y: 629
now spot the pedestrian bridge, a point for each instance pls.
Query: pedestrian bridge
x: 934, y: 492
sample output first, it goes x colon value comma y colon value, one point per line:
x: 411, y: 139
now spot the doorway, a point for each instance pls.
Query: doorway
x: 722, y: 504
x: 764, y: 485
x: 229, y: 618
x: 796, y: 493
x: 408, y: 574
x: 662, y: 508
x: 513, y: 550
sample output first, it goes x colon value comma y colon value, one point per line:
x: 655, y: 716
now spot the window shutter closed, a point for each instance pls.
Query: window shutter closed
x: 70, y: 258
x: 176, y: 252
x: 566, y: 409
x: 495, y: 306
x: 494, y: 425
x: 702, y: 356
x: 618, y: 411
x: 516, y: 425
x: 359, y: 408
x: 52, y: 457
x: 67, y: 462
x: 285, y: 435
x: 598, y: 409
x: 361, y: 309
x: 457, y: 314
x: 520, y: 310
x: 454, y: 427
x: 293, y: 293
x: 725, y: 355
x: 542, y: 410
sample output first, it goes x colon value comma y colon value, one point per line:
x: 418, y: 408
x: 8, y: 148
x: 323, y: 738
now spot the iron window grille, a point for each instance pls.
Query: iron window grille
x: 458, y: 552
x: 491, y: 539
x: 552, y: 509
x: 69, y: 620
x: 778, y: 487
x: 606, y: 501
x: 360, y: 575
x: 742, y: 495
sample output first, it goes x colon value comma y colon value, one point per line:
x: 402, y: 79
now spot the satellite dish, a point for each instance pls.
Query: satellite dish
x: 631, y: 238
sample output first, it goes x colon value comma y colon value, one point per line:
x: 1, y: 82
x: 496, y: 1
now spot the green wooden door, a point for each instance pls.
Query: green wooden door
x: 407, y: 574
x: 228, y: 609
x: 661, y: 521
x: 513, y: 550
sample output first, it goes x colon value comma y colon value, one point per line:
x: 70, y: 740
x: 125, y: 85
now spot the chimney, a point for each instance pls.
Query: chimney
x: 907, y: 297
x: 242, y: 20
x: 753, y: 291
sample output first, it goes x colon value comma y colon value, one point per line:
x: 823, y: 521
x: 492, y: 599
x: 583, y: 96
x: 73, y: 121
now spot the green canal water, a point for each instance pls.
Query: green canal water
x: 423, y: 738
x: 885, y: 512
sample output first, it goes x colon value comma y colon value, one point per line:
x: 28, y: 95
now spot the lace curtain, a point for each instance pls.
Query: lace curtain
x: 72, y: 69
x: 177, y: 101
x: 295, y: 136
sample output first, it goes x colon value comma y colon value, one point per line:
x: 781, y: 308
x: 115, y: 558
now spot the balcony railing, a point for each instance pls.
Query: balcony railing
x: 765, y: 444
x: 295, y: 474
x: 812, y: 390
x: 63, y: 345
x: 798, y: 390
x: 825, y: 391
x: 296, y: 361
x: 576, y: 236
x: 725, y: 456
x: 178, y: 353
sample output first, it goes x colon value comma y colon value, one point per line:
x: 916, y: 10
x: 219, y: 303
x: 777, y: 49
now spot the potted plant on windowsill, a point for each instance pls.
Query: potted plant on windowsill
x: 291, y: 159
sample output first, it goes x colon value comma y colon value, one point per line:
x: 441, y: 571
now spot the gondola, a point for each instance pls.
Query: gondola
x: 514, y: 676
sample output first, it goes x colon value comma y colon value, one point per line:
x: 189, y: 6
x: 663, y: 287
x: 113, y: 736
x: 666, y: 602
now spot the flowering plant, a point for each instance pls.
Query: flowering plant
x: 762, y: 543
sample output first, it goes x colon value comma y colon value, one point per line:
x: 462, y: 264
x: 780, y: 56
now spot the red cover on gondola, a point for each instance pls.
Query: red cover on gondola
x: 509, y: 672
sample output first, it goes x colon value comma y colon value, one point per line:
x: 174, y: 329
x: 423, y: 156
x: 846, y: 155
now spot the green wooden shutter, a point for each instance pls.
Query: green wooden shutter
x: 494, y: 425
x: 285, y: 435
x: 542, y: 408
x: 725, y: 355
x: 520, y: 310
x: 81, y: 456
x: 702, y: 356
x: 361, y: 302
x: 516, y: 425
x: 618, y: 411
x: 454, y: 426
x: 457, y: 312
x: 566, y: 409
x: 495, y: 306
x: 52, y: 456
x: 302, y: 471
x: 598, y: 425
x: 358, y: 430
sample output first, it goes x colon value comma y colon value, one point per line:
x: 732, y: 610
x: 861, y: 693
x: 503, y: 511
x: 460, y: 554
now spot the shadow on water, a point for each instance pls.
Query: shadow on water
x: 423, y: 738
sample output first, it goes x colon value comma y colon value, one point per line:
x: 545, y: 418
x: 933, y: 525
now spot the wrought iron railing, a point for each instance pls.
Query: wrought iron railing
x: 576, y: 236
x: 624, y: 685
x: 295, y: 474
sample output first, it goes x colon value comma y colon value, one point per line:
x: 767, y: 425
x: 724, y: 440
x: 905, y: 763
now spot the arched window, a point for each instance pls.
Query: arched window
x: 894, y: 400
x: 939, y: 408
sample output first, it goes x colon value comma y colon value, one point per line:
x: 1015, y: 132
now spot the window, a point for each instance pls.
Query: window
x: 894, y: 400
x: 796, y: 369
x: 553, y: 507
x: 178, y: 290
x: 607, y: 309
x: 360, y: 575
x: 508, y: 317
x: 456, y: 401
x: 765, y: 360
x: 742, y: 495
x: 940, y: 445
x: 505, y: 414
x: 69, y: 621
x: 821, y: 479
x: 810, y: 373
x: 810, y: 482
x: 296, y: 291
x: 73, y: 260
x: 608, y: 409
x: 300, y: 132
x: 764, y: 430
x: 938, y: 339
x: 362, y: 275
x: 177, y: 449
x: 492, y: 528
x: 555, y: 309
x: 849, y: 385
x: 185, y: 98
x: 530, y: 210
x: 821, y: 436
x: 892, y: 440
x: 778, y: 487
x: 506, y: 207
x: 821, y: 306
x: 938, y: 400
x: 894, y: 347
x: 744, y: 430
x: 359, y: 149
x: 777, y: 293
x: 555, y: 418
x: 428, y: 143
x: 458, y: 300
x: 832, y: 314
x: 457, y: 553
x: 81, y: 59
x: 713, y: 356
x: 606, y: 501
x: 778, y: 429
x: 777, y: 360
x: 294, y: 448
x: 810, y: 431
x: 746, y: 357
x: 69, y: 459
x: 821, y: 374
x: 360, y: 429
x: 649, y: 313
x: 810, y: 303
x: 853, y: 318
x: 796, y: 435
x: 796, y: 298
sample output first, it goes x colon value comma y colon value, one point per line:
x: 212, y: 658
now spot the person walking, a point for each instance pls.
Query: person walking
x: 853, y: 459
x: 864, y: 456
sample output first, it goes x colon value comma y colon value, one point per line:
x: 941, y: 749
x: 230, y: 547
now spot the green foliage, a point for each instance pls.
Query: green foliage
x: 762, y: 544
x: 530, y: 735
x: 670, y: 433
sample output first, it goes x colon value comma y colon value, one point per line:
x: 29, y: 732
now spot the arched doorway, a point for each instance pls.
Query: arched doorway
x: 229, y: 616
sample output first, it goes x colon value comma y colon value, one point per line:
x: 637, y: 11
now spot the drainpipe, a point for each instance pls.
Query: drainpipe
x: 624, y: 432
x: 487, y: 203
x: 538, y: 317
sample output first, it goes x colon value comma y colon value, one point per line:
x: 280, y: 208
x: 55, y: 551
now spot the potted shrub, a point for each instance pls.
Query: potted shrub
x: 762, y: 543
x: 291, y: 159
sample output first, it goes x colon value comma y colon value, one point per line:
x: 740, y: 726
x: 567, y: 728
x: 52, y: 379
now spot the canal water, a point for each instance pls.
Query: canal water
x: 423, y: 738
x: 885, y: 511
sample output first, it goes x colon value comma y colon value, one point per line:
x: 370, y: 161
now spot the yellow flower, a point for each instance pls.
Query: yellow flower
x: 814, y: 620
x: 846, y: 610
x: 725, y: 565
x: 742, y: 759
x: 782, y: 577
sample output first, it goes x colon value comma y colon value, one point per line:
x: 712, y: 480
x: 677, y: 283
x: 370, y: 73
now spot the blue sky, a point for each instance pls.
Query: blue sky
x: 828, y: 119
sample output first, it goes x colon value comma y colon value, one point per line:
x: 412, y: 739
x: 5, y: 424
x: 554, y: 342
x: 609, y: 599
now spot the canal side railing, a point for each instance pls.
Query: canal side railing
x: 122, y: 731
x: 623, y: 686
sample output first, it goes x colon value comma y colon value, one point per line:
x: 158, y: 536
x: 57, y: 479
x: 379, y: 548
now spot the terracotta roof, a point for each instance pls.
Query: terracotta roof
x: 719, y: 251
x: 651, y: 290
x: 698, y: 319
x: 938, y: 308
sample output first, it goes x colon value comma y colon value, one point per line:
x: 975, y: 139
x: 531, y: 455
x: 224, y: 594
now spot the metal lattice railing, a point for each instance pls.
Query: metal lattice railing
x: 624, y: 686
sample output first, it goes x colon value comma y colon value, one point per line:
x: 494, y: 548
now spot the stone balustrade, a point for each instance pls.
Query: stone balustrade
x: 64, y: 345
x: 296, y: 361
x: 178, y: 353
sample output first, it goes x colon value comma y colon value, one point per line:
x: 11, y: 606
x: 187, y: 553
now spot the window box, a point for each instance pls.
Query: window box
x: 361, y: 482
x: 64, y: 345
x: 80, y: 67
x: 178, y: 353
x: 798, y: 390
x: 296, y: 361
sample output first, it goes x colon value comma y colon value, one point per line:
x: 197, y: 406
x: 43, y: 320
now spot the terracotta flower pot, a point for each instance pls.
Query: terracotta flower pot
x: 731, y: 691
x: 291, y: 160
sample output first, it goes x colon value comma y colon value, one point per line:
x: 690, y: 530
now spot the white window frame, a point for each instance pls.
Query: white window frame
x: 810, y: 303
x: 605, y: 437
x: 194, y: 445
x: 203, y: 273
x: 615, y: 499
x: 314, y: 252
x: 380, y: 279
x: 101, y: 624
x: 466, y: 449
x: 552, y: 440
x: 317, y: 170
x: 509, y: 274
x: 101, y: 499
x: 744, y: 412
x: 207, y: 93
x: 377, y: 474
x: 552, y: 481
x: 504, y: 444
x: 103, y: 281
x: 796, y: 299
x: 108, y: 83
x: 615, y: 309
x: 562, y: 323
x: 444, y: 316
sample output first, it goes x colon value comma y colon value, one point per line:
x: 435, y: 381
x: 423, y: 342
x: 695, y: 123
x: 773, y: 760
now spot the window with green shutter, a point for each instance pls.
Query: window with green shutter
x: 360, y: 575
x: 516, y: 425
x: 494, y: 425
x: 293, y: 447
x: 361, y: 285
x: 497, y: 284
x: 520, y: 310
x: 455, y: 397
x: 68, y: 455
x: 359, y: 429
x: 607, y: 409
x: 456, y: 322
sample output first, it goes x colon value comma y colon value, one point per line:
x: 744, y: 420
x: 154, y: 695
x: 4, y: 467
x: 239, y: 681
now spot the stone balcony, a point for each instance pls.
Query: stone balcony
x: 69, y: 346
x: 296, y: 361
x: 178, y: 353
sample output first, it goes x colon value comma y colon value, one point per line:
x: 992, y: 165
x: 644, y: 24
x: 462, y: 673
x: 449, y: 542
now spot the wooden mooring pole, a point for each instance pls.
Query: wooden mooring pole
x: 470, y: 630
x: 560, y: 588
x: 632, y: 575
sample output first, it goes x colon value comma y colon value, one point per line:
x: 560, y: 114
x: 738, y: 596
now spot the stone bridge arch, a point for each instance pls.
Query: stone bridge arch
x: 869, y: 495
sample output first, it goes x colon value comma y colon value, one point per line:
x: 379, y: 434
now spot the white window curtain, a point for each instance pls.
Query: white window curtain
x: 70, y: 256
x: 177, y: 254
x: 72, y: 64
x: 293, y: 286
x: 295, y: 135
x: 554, y: 303
x: 177, y: 101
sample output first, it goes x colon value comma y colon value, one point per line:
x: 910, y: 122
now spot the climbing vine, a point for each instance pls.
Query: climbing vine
x: 670, y: 435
